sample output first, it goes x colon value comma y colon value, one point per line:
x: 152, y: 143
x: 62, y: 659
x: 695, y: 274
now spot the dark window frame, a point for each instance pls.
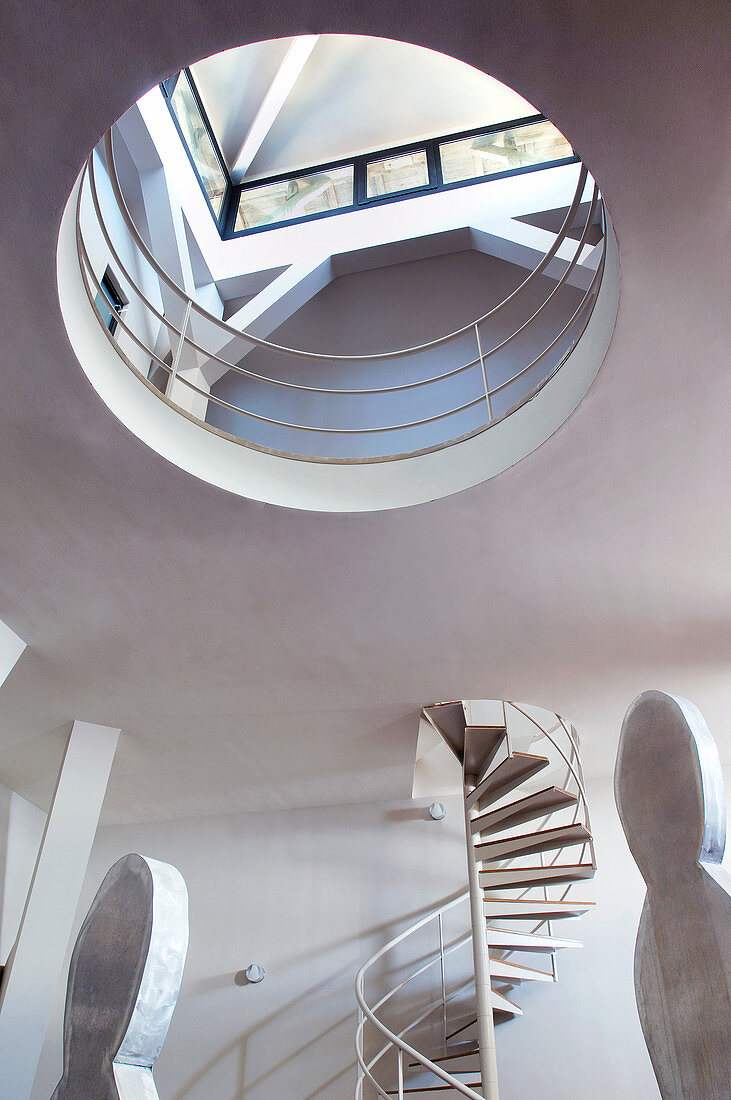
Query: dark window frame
x: 167, y: 88
x: 115, y: 300
x: 230, y: 206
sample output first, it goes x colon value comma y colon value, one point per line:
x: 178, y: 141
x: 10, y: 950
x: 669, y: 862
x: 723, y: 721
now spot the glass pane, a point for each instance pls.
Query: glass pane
x: 384, y: 177
x: 199, y: 143
x: 488, y: 154
x: 107, y: 312
x: 331, y: 189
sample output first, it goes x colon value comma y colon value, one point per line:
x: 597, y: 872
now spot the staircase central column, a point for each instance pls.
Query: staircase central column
x: 483, y: 988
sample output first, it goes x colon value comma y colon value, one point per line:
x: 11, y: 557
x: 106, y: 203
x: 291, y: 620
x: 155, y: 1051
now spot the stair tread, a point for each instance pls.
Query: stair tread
x: 520, y: 909
x: 481, y: 743
x: 505, y: 969
x: 506, y: 776
x: 548, y: 800
x: 449, y: 719
x: 512, y: 877
x: 541, y: 840
x: 508, y: 939
x: 409, y: 1089
x: 451, y: 1055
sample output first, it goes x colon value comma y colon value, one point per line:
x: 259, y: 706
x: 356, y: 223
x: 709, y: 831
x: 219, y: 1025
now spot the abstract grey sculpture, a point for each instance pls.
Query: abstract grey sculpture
x: 669, y: 791
x: 124, y: 978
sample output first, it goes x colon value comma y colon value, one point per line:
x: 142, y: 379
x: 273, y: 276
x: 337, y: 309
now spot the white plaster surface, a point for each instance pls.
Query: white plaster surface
x: 310, y: 894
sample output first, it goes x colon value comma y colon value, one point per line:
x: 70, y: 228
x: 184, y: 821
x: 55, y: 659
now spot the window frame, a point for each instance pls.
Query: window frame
x: 167, y: 87
x: 115, y: 300
x: 226, y: 222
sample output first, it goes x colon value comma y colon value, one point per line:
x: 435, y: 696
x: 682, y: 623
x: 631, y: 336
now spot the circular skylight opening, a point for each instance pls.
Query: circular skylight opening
x: 338, y: 273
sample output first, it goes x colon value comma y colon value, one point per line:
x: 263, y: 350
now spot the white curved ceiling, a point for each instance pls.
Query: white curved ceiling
x: 258, y: 657
x: 349, y: 94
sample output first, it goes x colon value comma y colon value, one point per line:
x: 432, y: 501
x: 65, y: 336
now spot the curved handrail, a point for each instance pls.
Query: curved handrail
x: 569, y: 332
x: 301, y: 353
x: 339, y: 389
x: 396, y: 1039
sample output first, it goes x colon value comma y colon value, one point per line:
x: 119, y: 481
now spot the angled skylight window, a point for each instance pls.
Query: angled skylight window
x: 394, y: 174
x: 488, y: 154
x: 198, y: 141
x: 330, y: 189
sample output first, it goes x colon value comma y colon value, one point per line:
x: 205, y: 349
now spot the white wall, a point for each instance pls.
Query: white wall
x: 21, y: 829
x: 310, y: 894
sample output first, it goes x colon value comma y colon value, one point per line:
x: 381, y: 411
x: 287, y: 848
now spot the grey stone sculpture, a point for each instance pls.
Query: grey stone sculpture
x: 669, y: 791
x: 124, y: 978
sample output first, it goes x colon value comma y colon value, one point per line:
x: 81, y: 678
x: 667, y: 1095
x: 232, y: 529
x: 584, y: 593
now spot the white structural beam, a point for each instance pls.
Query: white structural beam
x: 286, y: 77
x: 33, y: 970
x: 11, y: 647
x: 269, y: 309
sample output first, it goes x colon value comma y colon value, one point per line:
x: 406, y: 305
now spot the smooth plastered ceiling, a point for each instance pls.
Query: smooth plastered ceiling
x: 257, y: 657
x: 346, y: 95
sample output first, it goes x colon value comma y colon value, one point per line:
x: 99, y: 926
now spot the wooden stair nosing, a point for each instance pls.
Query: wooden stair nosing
x: 538, y: 804
x: 505, y: 970
x: 450, y: 1055
x: 525, y: 844
x: 520, y: 909
x: 508, y: 775
x: 415, y: 1090
x: 507, y: 939
x: 513, y: 878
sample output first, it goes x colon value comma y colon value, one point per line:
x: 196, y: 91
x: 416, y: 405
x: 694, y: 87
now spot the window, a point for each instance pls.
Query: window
x: 298, y: 197
x: 488, y: 154
x: 197, y: 138
x: 529, y: 143
x: 401, y: 173
x: 109, y: 301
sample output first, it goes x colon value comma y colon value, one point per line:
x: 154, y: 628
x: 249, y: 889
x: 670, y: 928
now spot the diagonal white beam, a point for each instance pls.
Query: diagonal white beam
x: 270, y: 308
x: 32, y: 973
x: 11, y: 647
x: 286, y: 77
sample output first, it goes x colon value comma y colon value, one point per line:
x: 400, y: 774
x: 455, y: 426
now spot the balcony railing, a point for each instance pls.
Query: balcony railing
x: 443, y: 391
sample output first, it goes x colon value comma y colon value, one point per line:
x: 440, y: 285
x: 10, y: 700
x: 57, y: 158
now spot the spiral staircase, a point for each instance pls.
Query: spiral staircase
x: 529, y: 843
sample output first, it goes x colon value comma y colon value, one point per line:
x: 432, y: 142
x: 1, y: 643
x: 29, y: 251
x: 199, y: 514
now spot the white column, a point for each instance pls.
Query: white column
x: 481, y: 955
x: 34, y: 968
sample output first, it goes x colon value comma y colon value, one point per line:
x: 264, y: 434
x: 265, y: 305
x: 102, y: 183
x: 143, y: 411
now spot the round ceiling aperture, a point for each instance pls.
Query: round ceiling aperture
x: 331, y: 309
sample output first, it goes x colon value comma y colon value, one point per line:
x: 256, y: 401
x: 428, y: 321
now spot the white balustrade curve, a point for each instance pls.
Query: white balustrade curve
x: 181, y: 342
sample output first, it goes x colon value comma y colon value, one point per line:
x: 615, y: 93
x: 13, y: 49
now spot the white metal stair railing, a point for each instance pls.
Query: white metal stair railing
x: 142, y: 352
x: 503, y: 792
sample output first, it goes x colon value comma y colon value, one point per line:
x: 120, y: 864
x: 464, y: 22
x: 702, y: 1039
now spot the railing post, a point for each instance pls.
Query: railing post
x: 483, y: 987
x: 360, y: 1049
x: 484, y: 373
x: 444, y: 981
x: 179, y: 349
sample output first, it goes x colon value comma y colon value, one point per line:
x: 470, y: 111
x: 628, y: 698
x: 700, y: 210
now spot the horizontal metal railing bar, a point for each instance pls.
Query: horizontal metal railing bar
x: 375, y: 430
x: 237, y: 368
x: 560, y: 282
x: 300, y: 353
x: 329, y: 430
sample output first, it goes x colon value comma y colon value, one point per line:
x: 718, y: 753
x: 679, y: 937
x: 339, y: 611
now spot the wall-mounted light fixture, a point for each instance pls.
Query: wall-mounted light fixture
x: 255, y: 973
x: 437, y: 811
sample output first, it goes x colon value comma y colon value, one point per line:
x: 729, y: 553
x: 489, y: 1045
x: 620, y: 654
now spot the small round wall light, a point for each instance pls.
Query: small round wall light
x: 255, y: 973
x: 437, y: 811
